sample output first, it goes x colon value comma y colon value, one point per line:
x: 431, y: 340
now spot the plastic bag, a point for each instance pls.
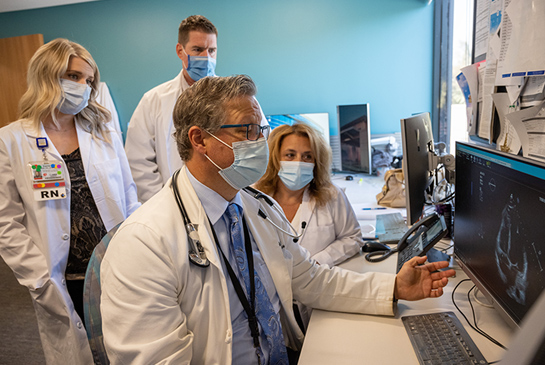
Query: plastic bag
x: 393, y: 191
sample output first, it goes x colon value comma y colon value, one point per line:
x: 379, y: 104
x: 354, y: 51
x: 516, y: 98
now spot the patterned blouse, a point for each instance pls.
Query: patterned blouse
x: 86, y: 226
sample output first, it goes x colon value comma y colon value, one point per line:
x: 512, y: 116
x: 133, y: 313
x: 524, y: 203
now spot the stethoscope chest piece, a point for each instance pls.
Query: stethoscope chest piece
x: 196, y: 252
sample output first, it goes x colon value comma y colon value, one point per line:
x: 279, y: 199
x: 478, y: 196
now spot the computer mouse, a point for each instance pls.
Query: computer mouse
x: 372, y: 246
x: 349, y: 178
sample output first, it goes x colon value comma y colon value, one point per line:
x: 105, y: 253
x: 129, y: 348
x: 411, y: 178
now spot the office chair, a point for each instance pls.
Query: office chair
x: 91, y: 300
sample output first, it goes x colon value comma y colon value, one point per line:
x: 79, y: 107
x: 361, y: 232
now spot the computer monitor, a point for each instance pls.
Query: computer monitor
x: 498, y: 227
x: 320, y: 121
x: 417, y: 141
x: 355, y: 138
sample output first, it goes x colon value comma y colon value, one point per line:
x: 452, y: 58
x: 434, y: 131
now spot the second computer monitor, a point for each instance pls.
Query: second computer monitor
x: 417, y: 140
x: 355, y: 138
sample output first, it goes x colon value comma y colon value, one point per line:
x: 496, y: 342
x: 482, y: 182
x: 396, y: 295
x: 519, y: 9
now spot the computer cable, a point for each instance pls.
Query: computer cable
x: 476, y: 327
x: 438, y: 187
x: 442, y: 192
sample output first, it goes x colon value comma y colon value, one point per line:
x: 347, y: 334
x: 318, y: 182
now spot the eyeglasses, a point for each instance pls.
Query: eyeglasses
x: 253, y: 131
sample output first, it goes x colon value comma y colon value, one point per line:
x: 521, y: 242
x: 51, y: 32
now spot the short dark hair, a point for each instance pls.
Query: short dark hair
x: 194, y: 22
x: 205, y: 105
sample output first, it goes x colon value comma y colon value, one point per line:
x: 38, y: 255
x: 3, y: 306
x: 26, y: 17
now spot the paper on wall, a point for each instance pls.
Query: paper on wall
x: 472, y: 79
x: 532, y: 93
x: 514, y: 92
x: 487, y: 76
x: 530, y: 127
x: 462, y: 82
x: 506, y: 28
x: 482, y: 29
x: 494, y: 36
x: 523, y: 40
x: 508, y: 140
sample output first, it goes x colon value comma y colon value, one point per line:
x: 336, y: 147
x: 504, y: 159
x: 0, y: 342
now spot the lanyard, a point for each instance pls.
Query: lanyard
x: 248, y: 306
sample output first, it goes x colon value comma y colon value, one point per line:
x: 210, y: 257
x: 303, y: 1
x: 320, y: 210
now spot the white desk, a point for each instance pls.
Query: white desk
x: 362, y: 189
x: 361, y: 192
x: 343, y: 338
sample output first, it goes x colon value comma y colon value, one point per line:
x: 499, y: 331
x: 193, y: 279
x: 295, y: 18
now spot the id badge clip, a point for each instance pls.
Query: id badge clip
x: 47, y: 179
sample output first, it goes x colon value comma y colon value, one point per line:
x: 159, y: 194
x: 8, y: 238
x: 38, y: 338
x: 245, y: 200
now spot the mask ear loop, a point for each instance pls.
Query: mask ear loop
x: 206, y: 155
x: 183, y: 50
x: 213, y: 163
x: 231, y: 147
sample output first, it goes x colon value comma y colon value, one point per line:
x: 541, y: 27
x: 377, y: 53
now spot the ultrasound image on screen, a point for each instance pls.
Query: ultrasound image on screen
x: 511, y: 256
x: 500, y: 229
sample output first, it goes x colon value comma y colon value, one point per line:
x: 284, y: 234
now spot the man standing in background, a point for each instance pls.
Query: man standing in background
x: 150, y: 146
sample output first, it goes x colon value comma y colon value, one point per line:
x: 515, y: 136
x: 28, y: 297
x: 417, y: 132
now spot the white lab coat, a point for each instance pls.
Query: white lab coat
x: 104, y: 98
x: 332, y: 233
x: 151, y: 148
x: 35, y: 235
x: 158, y: 307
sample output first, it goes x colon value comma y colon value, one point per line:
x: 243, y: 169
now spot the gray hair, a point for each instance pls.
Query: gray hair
x: 205, y: 105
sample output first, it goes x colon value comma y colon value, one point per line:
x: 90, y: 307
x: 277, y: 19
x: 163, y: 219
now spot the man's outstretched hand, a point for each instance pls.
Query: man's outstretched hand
x: 417, y: 281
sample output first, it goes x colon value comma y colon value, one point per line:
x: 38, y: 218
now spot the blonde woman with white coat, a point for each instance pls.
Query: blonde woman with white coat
x: 297, y: 177
x: 64, y: 182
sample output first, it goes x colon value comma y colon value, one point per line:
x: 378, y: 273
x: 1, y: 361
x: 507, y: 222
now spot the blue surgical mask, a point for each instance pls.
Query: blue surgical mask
x: 76, y: 97
x: 200, y: 66
x: 251, y: 158
x: 296, y: 174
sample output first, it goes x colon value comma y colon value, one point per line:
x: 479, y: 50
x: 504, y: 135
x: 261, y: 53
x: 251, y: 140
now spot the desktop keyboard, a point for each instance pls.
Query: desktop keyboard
x: 440, y: 338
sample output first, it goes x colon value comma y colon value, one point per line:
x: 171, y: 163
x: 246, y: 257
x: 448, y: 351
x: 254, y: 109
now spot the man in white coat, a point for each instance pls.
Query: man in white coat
x: 162, y: 303
x: 150, y: 147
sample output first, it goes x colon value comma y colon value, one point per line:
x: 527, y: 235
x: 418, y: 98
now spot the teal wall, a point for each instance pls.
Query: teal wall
x: 305, y: 56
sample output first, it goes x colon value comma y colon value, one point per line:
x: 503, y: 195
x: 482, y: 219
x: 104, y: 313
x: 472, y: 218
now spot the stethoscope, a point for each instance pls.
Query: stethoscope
x: 196, y: 251
x: 259, y: 195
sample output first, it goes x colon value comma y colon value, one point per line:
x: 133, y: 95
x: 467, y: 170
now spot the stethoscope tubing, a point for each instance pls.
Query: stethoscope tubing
x: 196, y: 252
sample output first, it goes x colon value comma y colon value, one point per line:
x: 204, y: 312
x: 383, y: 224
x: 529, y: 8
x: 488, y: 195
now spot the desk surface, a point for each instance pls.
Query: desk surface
x: 344, y: 338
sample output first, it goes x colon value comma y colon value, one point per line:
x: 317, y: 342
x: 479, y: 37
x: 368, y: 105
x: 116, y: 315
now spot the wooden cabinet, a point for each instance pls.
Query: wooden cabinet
x: 15, y: 52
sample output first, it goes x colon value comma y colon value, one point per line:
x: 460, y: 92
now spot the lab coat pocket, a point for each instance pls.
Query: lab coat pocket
x: 50, y: 309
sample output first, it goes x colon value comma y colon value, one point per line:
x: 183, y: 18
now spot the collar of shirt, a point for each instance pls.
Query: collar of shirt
x: 183, y: 83
x: 214, y: 204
